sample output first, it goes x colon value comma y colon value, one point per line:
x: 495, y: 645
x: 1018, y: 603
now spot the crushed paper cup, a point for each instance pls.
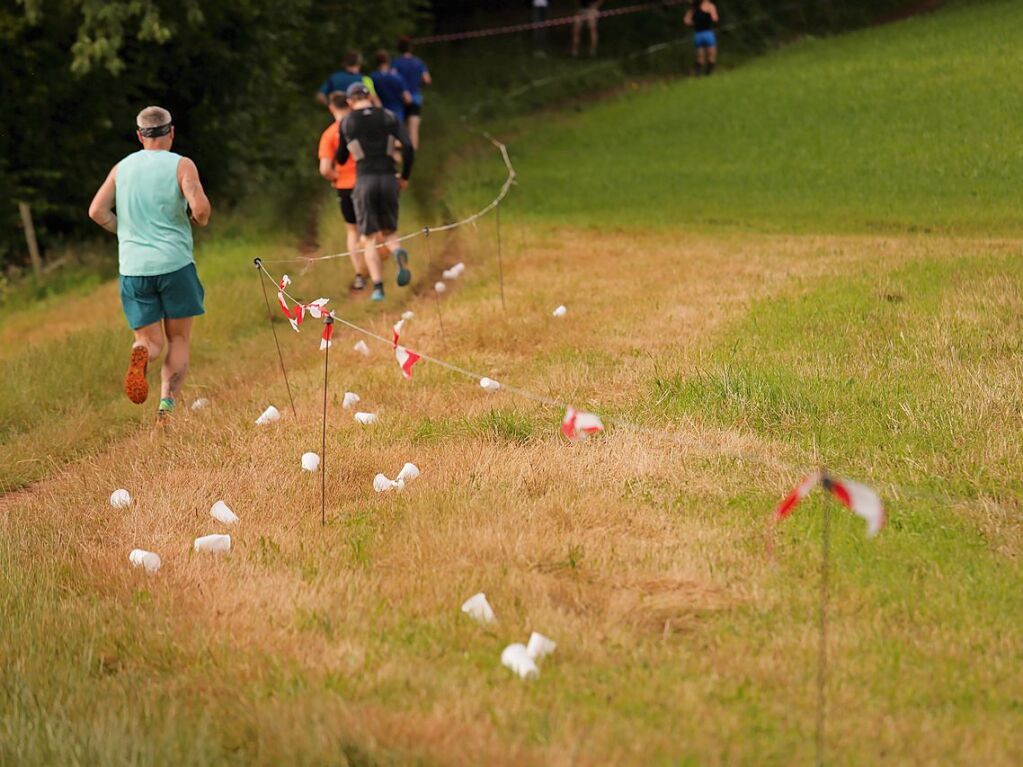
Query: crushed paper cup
x: 478, y: 608
x: 366, y: 418
x: 310, y: 461
x: 269, y: 415
x: 351, y: 398
x: 516, y: 658
x: 147, y: 559
x: 213, y: 544
x: 200, y: 403
x: 440, y: 287
x: 382, y: 484
x: 222, y: 513
x: 540, y: 646
x: 408, y: 472
x: 489, y: 384
x: 454, y: 272
x: 408, y: 315
x: 361, y: 348
x: 561, y: 311
x: 120, y: 498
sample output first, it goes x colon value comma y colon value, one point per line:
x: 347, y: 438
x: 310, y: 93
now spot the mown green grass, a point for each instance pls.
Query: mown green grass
x: 910, y: 127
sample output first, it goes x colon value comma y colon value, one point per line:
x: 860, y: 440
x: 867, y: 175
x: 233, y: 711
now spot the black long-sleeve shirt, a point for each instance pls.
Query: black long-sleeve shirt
x: 368, y: 135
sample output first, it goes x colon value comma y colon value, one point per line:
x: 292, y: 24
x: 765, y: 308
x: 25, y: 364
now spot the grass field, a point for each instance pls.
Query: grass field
x: 734, y: 324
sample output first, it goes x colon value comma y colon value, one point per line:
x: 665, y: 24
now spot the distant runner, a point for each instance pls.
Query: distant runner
x: 155, y: 192
x: 702, y: 17
x: 351, y: 72
x: 588, y: 14
x: 415, y: 74
x: 390, y: 87
x: 343, y: 179
x: 369, y: 134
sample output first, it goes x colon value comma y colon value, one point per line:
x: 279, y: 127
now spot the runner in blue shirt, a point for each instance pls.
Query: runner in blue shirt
x: 340, y: 80
x: 390, y: 87
x: 415, y: 74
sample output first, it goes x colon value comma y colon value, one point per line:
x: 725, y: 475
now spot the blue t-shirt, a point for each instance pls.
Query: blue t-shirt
x: 411, y: 69
x: 339, y: 81
x: 389, y: 88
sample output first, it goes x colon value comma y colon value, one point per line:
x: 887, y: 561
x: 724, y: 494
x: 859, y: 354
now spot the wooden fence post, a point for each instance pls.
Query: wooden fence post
x: 30, y: 239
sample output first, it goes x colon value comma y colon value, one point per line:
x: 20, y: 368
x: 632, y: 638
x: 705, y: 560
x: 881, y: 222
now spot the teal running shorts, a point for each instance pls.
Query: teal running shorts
x: 171, y: 296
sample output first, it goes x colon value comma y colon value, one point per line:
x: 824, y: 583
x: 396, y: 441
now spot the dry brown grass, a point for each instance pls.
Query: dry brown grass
x: 623, y: 549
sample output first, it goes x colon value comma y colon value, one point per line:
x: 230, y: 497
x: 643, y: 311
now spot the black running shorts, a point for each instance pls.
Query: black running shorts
x: 376, y: 203
x: 344, y: 199
x: 413, y: 110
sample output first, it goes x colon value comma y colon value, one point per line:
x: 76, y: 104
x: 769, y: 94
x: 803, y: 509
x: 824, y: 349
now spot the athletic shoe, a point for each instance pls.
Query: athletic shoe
x: 378, y: 294
x: 135, y: 385
x: 359, y: 283
x: 401, y: 259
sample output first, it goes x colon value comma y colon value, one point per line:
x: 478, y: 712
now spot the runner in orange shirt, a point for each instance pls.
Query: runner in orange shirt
x: 343, y: 178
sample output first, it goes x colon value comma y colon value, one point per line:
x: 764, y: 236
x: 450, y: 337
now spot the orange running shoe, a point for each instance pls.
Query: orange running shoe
x: 135, y: 385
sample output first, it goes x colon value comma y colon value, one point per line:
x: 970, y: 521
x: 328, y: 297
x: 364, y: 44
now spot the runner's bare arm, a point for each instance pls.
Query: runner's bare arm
x: 101, y: 209
x: 191, y: 188
x: 688, y: 20
x: 426, y: 79
x: 714, y: 13
x: 327, y: 168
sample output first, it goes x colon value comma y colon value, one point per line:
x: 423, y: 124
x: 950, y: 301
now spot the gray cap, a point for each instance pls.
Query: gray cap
x: 357, y: 91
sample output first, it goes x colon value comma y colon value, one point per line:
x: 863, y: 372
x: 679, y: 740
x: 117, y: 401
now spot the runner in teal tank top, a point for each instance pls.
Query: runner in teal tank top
x: 150, y: 200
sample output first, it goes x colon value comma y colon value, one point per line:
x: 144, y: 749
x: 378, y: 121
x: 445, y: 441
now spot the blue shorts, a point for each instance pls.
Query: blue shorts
x: 171, y: 296
x: 706, y: 39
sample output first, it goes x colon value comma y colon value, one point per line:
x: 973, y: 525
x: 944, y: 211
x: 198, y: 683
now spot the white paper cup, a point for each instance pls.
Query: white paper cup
x: 222, y: 513
x: 146, y: 559
x: 540, y: 646
x: 478, y: 608
x: 269, y: 415
x: 517, y: 659
x: 310, y: 461
x: 213, y: 544
x: 120, y: 498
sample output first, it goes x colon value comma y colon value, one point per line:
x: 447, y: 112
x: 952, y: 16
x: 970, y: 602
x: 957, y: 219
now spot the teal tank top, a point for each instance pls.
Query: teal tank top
x: 154, y: 234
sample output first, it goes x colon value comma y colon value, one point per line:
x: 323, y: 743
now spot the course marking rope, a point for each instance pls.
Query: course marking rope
x: 561, y: 21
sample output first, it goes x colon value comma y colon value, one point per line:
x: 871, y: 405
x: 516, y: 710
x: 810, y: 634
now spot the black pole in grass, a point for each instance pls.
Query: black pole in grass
x: 269, y: 316
x: 436, y: 295
x: 328, y: 321
x: 500, y: 263
x: 822, y: 640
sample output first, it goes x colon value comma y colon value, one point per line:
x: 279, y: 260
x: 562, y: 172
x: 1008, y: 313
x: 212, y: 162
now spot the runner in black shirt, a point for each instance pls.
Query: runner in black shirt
x: 371, y: 134
x: 702, y: 17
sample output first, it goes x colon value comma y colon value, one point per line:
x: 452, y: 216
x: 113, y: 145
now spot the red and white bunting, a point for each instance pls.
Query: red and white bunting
x: 315, y: 308
x: 799, y: 492
x: 397, y: 332
x: 406, y: 360
x: 577, y: 425
x: 328, y: 333
x: 297, y: 315
x: 856, y: 497
x: 861, y: 500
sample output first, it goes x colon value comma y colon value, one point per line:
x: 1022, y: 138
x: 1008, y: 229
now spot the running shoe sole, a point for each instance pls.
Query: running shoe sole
x: 135, y: 385
x: 404, y: 275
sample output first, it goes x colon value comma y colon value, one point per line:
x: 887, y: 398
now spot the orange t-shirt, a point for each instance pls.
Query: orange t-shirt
x: 328, y: 148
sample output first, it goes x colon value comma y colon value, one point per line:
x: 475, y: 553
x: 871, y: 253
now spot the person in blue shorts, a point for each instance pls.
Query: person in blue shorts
x: 413, y: 71
x: 351, y: 72
x: 157, y: 196
x: 390, y: 87
x: 702, y: 17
